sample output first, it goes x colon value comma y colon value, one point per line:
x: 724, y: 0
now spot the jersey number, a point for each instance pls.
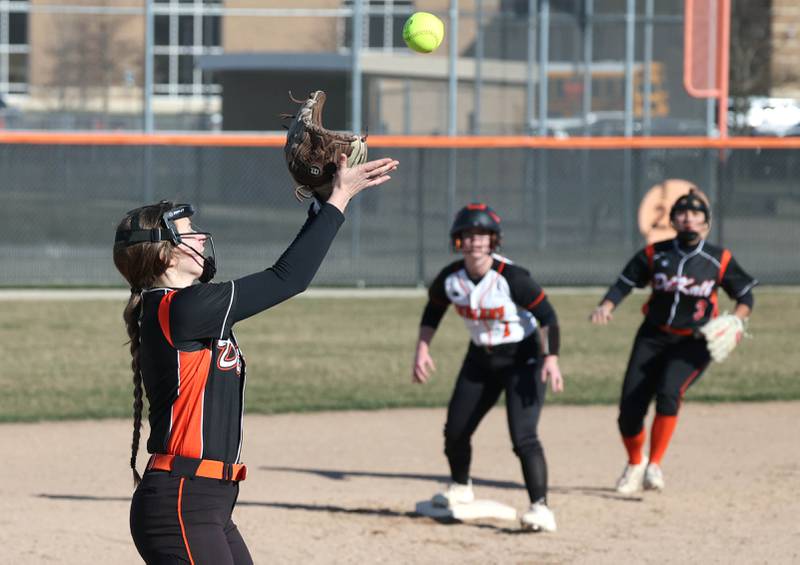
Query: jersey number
x: 700, y: 308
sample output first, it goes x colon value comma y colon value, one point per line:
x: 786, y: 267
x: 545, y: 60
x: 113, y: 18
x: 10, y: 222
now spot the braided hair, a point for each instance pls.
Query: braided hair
x: 141, y: 265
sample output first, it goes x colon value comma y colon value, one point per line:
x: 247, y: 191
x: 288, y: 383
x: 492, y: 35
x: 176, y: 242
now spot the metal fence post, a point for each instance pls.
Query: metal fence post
x: 713, y: 172
x: 529, y: 155
x: 147, y: 101
x: 478, y: 83
x: 541, y: 172
x: 452, y: 115
x: 477, y: 94
x: 586, y: 108
x: 355, y: 120
x: 627, y: 186
x: 723, y: 180
x: 420, y: 217
x: 647, y: 81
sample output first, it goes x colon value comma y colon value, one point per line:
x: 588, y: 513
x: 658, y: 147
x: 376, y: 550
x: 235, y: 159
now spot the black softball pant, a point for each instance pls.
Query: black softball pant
x: 483, y: 377
x: 663, y: 366
x: 178, y: 519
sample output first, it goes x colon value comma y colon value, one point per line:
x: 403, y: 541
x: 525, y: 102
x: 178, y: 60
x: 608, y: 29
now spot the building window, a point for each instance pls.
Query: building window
x: 161, y: 69
x: 183, y: 31
x: 14, y: 48
x: 161, y: 27
x: 212, y: 31
x: 383, y: 24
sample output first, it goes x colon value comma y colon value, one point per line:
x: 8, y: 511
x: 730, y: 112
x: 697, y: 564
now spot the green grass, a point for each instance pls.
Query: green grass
x: 68, y: 359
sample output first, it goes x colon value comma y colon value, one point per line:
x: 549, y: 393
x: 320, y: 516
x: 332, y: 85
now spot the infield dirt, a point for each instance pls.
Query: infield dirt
x: 341, y: 488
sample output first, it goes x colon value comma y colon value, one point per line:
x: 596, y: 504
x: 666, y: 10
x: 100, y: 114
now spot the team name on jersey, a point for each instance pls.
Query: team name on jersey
x: 228, y: 356
x: 487, y: 306
x: 481, y: 313
x: 684, y: 285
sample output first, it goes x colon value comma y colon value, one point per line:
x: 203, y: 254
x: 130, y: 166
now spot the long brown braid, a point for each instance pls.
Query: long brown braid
x: 131, y: 317
x: 141, y: 265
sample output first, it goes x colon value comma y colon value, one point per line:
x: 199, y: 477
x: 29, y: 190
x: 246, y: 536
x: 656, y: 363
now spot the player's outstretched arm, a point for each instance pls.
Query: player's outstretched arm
x: 423, y: 362
x: 637, y: 273
x: 603, y: 314
x: 349, y: 181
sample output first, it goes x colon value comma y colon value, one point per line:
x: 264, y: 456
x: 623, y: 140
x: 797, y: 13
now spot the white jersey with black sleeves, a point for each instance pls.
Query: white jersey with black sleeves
x: 497, y: 308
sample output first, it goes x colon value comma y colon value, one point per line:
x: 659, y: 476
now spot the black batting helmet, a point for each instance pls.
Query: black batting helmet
x: 475, y: 215
x: 690, y: 201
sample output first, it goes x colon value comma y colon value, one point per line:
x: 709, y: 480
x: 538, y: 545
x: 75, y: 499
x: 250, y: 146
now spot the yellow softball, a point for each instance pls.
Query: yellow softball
x: 423, y: 32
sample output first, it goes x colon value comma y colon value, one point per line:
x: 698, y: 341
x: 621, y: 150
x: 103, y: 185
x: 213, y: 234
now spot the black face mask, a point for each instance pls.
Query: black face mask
x: 687, y: 237
x: 209, y: 262
x: 209, y: 269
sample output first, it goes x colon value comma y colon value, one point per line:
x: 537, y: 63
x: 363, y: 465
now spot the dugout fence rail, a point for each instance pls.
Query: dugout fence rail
x: 569, y: 206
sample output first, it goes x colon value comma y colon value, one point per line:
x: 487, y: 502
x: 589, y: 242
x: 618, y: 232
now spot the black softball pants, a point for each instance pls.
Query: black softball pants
x: 663, y: 366
x: 177, y: 519
x: 483, y: 377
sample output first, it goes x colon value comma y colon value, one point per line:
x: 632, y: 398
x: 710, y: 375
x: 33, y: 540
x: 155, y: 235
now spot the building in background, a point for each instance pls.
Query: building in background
x: 78, y: 64
x: 785, y: 49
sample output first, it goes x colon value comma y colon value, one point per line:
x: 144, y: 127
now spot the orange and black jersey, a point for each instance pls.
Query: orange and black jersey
x: 684, y: 283
x: 192, y: 369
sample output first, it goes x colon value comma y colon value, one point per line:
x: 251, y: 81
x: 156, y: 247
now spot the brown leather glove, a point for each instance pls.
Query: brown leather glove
x: 313, y: 151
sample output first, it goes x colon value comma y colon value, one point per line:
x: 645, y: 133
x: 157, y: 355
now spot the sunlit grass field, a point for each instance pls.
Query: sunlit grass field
x: 68, y: 359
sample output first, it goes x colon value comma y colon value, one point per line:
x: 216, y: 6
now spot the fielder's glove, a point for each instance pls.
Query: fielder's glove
x: 312, y: 152
x: 722, y: 334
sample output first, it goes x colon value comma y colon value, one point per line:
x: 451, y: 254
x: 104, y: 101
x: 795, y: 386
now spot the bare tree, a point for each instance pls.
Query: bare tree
x: 90, y: 56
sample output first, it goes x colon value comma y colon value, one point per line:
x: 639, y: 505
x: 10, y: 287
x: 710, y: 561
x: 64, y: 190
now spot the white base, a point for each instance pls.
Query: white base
x: 472, y: 511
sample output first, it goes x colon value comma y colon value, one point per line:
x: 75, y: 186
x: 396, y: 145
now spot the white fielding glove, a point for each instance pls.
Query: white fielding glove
x: 723, y: 334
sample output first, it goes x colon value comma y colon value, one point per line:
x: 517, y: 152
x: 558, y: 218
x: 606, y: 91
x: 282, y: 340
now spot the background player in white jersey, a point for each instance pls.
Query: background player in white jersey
x: 670, y: 351
x: 514, y: 348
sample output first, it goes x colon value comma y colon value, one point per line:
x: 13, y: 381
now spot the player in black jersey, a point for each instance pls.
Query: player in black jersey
x: 669, y: 353
x: 188, y: 361
x: 514, y: 348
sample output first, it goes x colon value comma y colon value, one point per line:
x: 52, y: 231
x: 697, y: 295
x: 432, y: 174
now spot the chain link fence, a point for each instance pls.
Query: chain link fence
x: 569, y: 214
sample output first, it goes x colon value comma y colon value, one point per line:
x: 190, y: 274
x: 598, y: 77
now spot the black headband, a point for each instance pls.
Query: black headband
x: 690, y: 201
x: 168, y: 232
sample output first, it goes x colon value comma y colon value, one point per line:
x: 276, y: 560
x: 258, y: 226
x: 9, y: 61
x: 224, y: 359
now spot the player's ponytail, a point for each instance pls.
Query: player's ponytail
x: 141, y: 265
x: 131, y: 317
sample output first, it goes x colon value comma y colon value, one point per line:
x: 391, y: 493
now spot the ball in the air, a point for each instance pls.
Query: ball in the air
x: 423, y: 32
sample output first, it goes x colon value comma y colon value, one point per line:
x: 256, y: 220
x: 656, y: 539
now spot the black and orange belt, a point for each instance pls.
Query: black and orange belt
x: 190, y: 467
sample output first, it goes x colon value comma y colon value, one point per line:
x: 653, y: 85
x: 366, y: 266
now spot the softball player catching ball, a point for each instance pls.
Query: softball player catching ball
x: 514, y: 348
x: 670, y: 353
x: 188, y: 363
